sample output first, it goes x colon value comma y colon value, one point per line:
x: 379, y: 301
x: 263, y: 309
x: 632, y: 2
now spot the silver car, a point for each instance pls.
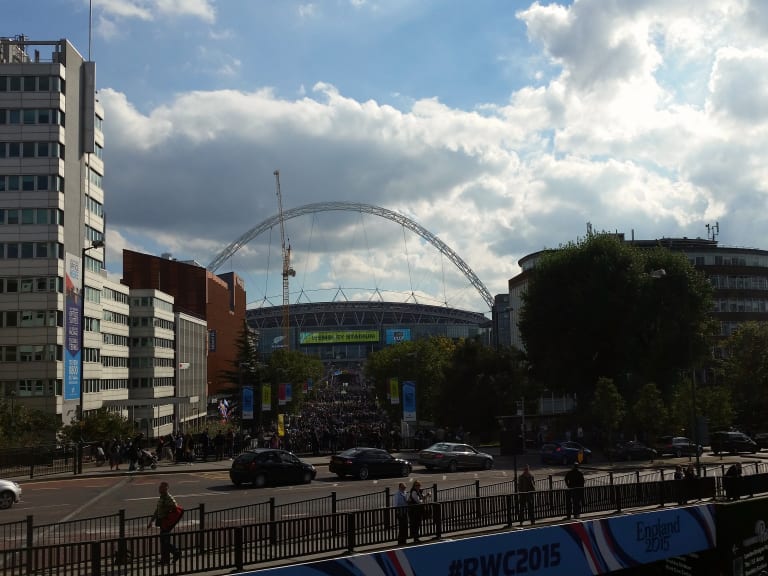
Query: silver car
x: 452, y: 456
x: 10, y: 493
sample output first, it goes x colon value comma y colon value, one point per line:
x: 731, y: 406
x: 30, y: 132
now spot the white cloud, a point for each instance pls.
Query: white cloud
x: 654, y: 120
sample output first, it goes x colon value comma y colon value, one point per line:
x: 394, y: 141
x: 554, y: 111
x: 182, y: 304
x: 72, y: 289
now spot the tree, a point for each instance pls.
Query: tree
x: 423, y: 362
x: 23, y: 426
x: 290, y: 366
x: 604, y: 308
x: 98, y: 426
x: 649, y: 414
x: 607, y: 410
x: 746, y: 374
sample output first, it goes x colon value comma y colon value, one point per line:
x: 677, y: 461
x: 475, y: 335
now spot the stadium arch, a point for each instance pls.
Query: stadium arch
x: 356, y: 207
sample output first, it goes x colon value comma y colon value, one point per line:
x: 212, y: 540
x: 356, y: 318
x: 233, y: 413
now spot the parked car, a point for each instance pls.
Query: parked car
x: 566, y: 452
x: 761, y: 439
x: 678, y: 446
x: 632, y: 450
x: 366, y: 463
x: 452, y: 456
x: 732, y: 442
x: 263, y: 466
x: 10, y: 493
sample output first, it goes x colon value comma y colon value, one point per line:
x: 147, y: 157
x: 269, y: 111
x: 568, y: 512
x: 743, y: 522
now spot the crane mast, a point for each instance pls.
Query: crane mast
x: 287, y: 270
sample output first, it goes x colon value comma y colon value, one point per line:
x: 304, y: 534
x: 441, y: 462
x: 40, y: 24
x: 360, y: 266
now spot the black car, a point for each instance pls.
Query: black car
x: 566, y: 452
x: 632, y: 450
x: 366, y: 463
x: 678, y: 446
x: 761, y: 439
x: 264, y: 466
x: 732, y: 442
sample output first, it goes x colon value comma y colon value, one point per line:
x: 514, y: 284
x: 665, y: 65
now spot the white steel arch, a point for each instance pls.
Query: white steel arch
x: 355, y: 207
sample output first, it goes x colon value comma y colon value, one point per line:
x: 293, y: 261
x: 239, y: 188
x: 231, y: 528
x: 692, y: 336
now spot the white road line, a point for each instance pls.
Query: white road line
x: 114, y: 488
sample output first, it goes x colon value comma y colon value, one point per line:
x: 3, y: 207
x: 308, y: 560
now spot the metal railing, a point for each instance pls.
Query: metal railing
x: 231, y: 546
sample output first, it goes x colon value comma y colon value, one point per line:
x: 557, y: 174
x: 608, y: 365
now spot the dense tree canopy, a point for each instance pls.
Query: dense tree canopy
x: 604, y: 308
x: 746, y: 374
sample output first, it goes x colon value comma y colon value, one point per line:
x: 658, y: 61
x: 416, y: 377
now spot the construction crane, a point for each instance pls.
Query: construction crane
x: 287, y: 270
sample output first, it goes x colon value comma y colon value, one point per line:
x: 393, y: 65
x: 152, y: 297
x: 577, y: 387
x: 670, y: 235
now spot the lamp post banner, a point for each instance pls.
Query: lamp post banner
x: 409, y: 401
x: 247, y: 403
x: 73, y: 313
x: 394, y: 391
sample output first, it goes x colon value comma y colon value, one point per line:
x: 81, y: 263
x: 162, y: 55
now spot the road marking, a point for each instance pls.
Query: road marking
x: 109, y: 490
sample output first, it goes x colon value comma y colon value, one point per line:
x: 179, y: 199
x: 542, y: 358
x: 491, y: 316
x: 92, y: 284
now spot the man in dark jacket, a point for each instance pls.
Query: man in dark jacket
x: 574, y: 480
x: 526, y: 486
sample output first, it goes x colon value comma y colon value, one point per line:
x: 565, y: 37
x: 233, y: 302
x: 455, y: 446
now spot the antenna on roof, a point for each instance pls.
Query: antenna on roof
x: 713, y: 231
x: 90, y: 27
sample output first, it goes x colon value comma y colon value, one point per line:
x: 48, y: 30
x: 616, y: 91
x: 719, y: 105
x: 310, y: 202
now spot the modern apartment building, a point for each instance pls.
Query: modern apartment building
x: 71, y: 339
x: 51, y: 173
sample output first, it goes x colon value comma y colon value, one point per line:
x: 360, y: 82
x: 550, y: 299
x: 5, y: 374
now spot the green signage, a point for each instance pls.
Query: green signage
x: 339, y: 337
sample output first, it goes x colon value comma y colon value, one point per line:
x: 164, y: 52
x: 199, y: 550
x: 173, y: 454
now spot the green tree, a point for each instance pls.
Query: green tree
x: 97, y: 426
x: 607, y: 410
x: 649, y: 413
x: 22, y: 426
x: 423, y: 362
x: 604, y: 308
x: 481, y: 384
x: 746, y: 374
x: 290, y: 366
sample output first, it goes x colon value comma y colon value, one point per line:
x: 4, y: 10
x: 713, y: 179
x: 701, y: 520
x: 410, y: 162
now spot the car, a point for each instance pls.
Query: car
x: 632, y: 450
x: 732, y: 442
x: 10, y: 494
x: 678, y: 446
x: 451, y: 456
x: 270, y: 466
x: 761, y: 439
x: 566, y: 452
x: 364, y: 463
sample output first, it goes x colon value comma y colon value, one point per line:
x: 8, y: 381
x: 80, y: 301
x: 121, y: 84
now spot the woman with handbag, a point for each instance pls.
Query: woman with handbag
x: 167, y: 515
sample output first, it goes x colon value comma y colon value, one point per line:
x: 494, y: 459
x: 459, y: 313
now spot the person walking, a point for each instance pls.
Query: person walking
x: 526, y: 486
x: 574, y: 480
x: 679, y: 485
x: 401, y: 513
x: 732, y: 481
x: 691, y: 480
x: 416, y: 501
x: 166, y: 516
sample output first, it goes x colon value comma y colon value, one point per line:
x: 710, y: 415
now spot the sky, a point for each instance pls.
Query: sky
x: 501, y: 127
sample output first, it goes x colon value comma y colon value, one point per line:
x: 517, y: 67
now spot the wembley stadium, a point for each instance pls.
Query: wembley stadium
x: 345, y: 333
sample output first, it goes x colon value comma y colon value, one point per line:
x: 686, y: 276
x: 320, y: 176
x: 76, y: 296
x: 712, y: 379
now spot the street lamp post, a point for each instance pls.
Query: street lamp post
x: 80, y: 409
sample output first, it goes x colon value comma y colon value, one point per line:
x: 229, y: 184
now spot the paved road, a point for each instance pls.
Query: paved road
x: 100, y: 492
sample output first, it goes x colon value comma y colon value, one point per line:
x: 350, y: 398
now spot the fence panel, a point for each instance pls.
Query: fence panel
x: 314, y: 507
x: 13, y: 534
x: 363, y: 501
x: 239, y: 516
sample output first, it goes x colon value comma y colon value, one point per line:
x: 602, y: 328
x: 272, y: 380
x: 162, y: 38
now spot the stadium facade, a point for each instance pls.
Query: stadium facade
x: 345, y: 333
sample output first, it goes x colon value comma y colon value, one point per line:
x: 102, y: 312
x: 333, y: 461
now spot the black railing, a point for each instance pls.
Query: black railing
x: 267, y: 532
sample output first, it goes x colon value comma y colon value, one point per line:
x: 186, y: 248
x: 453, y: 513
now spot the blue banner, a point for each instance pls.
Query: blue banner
x: 73, y: 313
x: 409, y: 401
x: 588, y: 548
x: 397, y: 335
x: 247, y: 403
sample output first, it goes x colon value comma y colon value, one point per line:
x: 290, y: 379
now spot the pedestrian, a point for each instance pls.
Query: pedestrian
x: 526, y: 486
x: 679, y: 485
x: 401, y: 513
x: 691, y: 483
x: 218, y: 445
x: 574, y: 480
x: 114, y: 455
x: 732, y: 481
x: 416, y: 502
x: 166, y: 516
